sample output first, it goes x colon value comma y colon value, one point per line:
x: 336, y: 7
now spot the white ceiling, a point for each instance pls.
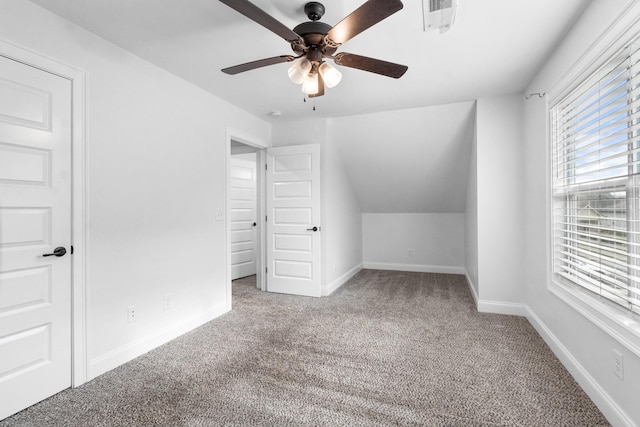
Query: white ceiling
x: 495, y: 47
x: 405, y: 143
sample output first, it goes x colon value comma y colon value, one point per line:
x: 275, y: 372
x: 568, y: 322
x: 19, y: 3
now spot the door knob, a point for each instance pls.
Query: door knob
x: 59, y: 251
x: 313, y: 229
x: 254, y: 224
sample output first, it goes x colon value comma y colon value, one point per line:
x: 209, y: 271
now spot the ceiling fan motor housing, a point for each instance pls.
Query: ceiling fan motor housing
x: 313, y: 33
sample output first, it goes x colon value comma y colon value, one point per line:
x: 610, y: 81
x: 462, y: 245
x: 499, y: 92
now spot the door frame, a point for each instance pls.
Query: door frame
x: 235, y: 135
x: 79, y: 212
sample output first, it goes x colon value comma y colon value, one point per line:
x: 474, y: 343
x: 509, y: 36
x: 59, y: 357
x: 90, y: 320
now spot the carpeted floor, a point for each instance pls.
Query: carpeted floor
x: 386, y: 349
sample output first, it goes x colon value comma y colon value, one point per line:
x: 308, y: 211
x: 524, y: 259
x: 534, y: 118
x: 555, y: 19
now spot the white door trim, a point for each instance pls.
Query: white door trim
x: 232, y: 134
x: 79, y: 235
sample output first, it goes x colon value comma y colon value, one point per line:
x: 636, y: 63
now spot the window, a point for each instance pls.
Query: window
x: 596, y: 182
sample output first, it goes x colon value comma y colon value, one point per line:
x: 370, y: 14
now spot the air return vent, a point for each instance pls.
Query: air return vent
x: 439, y: 14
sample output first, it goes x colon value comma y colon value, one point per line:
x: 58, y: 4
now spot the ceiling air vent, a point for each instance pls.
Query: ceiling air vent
x: 439, y: 14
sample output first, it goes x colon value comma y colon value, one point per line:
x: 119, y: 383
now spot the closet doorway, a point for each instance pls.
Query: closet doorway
x: 245, y: 182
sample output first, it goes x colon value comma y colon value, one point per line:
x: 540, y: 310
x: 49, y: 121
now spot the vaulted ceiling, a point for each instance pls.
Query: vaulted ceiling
x: 406, y: 143
x: 494, y: 48
x: 408, y: 161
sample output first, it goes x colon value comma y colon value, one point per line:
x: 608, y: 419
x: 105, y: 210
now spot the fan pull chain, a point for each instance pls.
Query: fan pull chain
x: 314, y: 102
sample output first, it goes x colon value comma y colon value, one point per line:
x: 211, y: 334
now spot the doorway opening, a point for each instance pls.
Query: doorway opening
x: 245, y: 213
x: 288, y: 242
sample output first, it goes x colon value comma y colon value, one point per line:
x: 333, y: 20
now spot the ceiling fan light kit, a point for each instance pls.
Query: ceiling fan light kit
x: 299, y: 70
x: 314, y: 41
x: 310, y: 86
x: 330, y: 75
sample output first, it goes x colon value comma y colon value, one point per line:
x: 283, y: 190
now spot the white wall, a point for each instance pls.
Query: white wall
x: 307, y: 131
x: 341, y: 214
x: 582, y: 344
x: 411, y: 165
x: 156, y: 168
x: 342, y: 225
x: 471, y: 218
x: 499, y: 204
x: 409, y: 174
x: 427, y: 242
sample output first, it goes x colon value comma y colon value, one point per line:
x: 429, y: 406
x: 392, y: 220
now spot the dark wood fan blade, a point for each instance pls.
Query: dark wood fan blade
x: 367, y: 15
x: 258, y: 15
x: 320, y: 87
x: 258, y: 64
x: 372, y: 65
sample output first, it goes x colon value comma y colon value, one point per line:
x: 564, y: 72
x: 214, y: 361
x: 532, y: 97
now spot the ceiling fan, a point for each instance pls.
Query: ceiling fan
x: 314, y: 41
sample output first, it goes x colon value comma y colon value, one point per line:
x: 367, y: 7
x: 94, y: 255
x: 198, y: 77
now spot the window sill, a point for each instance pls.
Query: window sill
x: 623, y: 327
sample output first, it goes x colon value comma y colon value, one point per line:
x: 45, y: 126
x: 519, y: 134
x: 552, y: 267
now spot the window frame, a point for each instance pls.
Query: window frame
x: 621, y: 324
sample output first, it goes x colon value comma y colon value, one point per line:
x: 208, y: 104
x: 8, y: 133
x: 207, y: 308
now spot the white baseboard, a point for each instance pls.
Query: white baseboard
x: 472, y: 288
x: 333, y: 286
x: 124, y: 354
x: 419, y: 268
x: 614, y: 414
x: 499, y: 307
x: 496, y: 307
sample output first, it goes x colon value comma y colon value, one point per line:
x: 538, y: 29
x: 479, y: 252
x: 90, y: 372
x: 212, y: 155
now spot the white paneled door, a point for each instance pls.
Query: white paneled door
x: 293, y: 220
x: 35, y: 219
x: 243, y: 219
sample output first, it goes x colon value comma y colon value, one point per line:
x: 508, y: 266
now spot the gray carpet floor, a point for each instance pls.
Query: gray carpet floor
x: 386, y: 349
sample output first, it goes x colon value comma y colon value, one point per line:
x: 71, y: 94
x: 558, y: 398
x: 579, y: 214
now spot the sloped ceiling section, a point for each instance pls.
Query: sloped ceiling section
x: 408, y: 161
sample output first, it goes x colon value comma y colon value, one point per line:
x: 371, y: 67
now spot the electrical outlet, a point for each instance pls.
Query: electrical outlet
x: 132, y: 314
x: 167, y: 303
x: 618, y: 364
x: 410, y: 252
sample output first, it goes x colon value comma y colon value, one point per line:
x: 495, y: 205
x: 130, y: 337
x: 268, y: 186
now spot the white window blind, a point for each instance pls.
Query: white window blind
x: 596, y: 182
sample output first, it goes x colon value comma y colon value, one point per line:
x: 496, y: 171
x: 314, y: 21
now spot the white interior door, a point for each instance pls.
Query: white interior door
x: 242, y: 213
x: 293, y: 220
x: 35, y: 218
